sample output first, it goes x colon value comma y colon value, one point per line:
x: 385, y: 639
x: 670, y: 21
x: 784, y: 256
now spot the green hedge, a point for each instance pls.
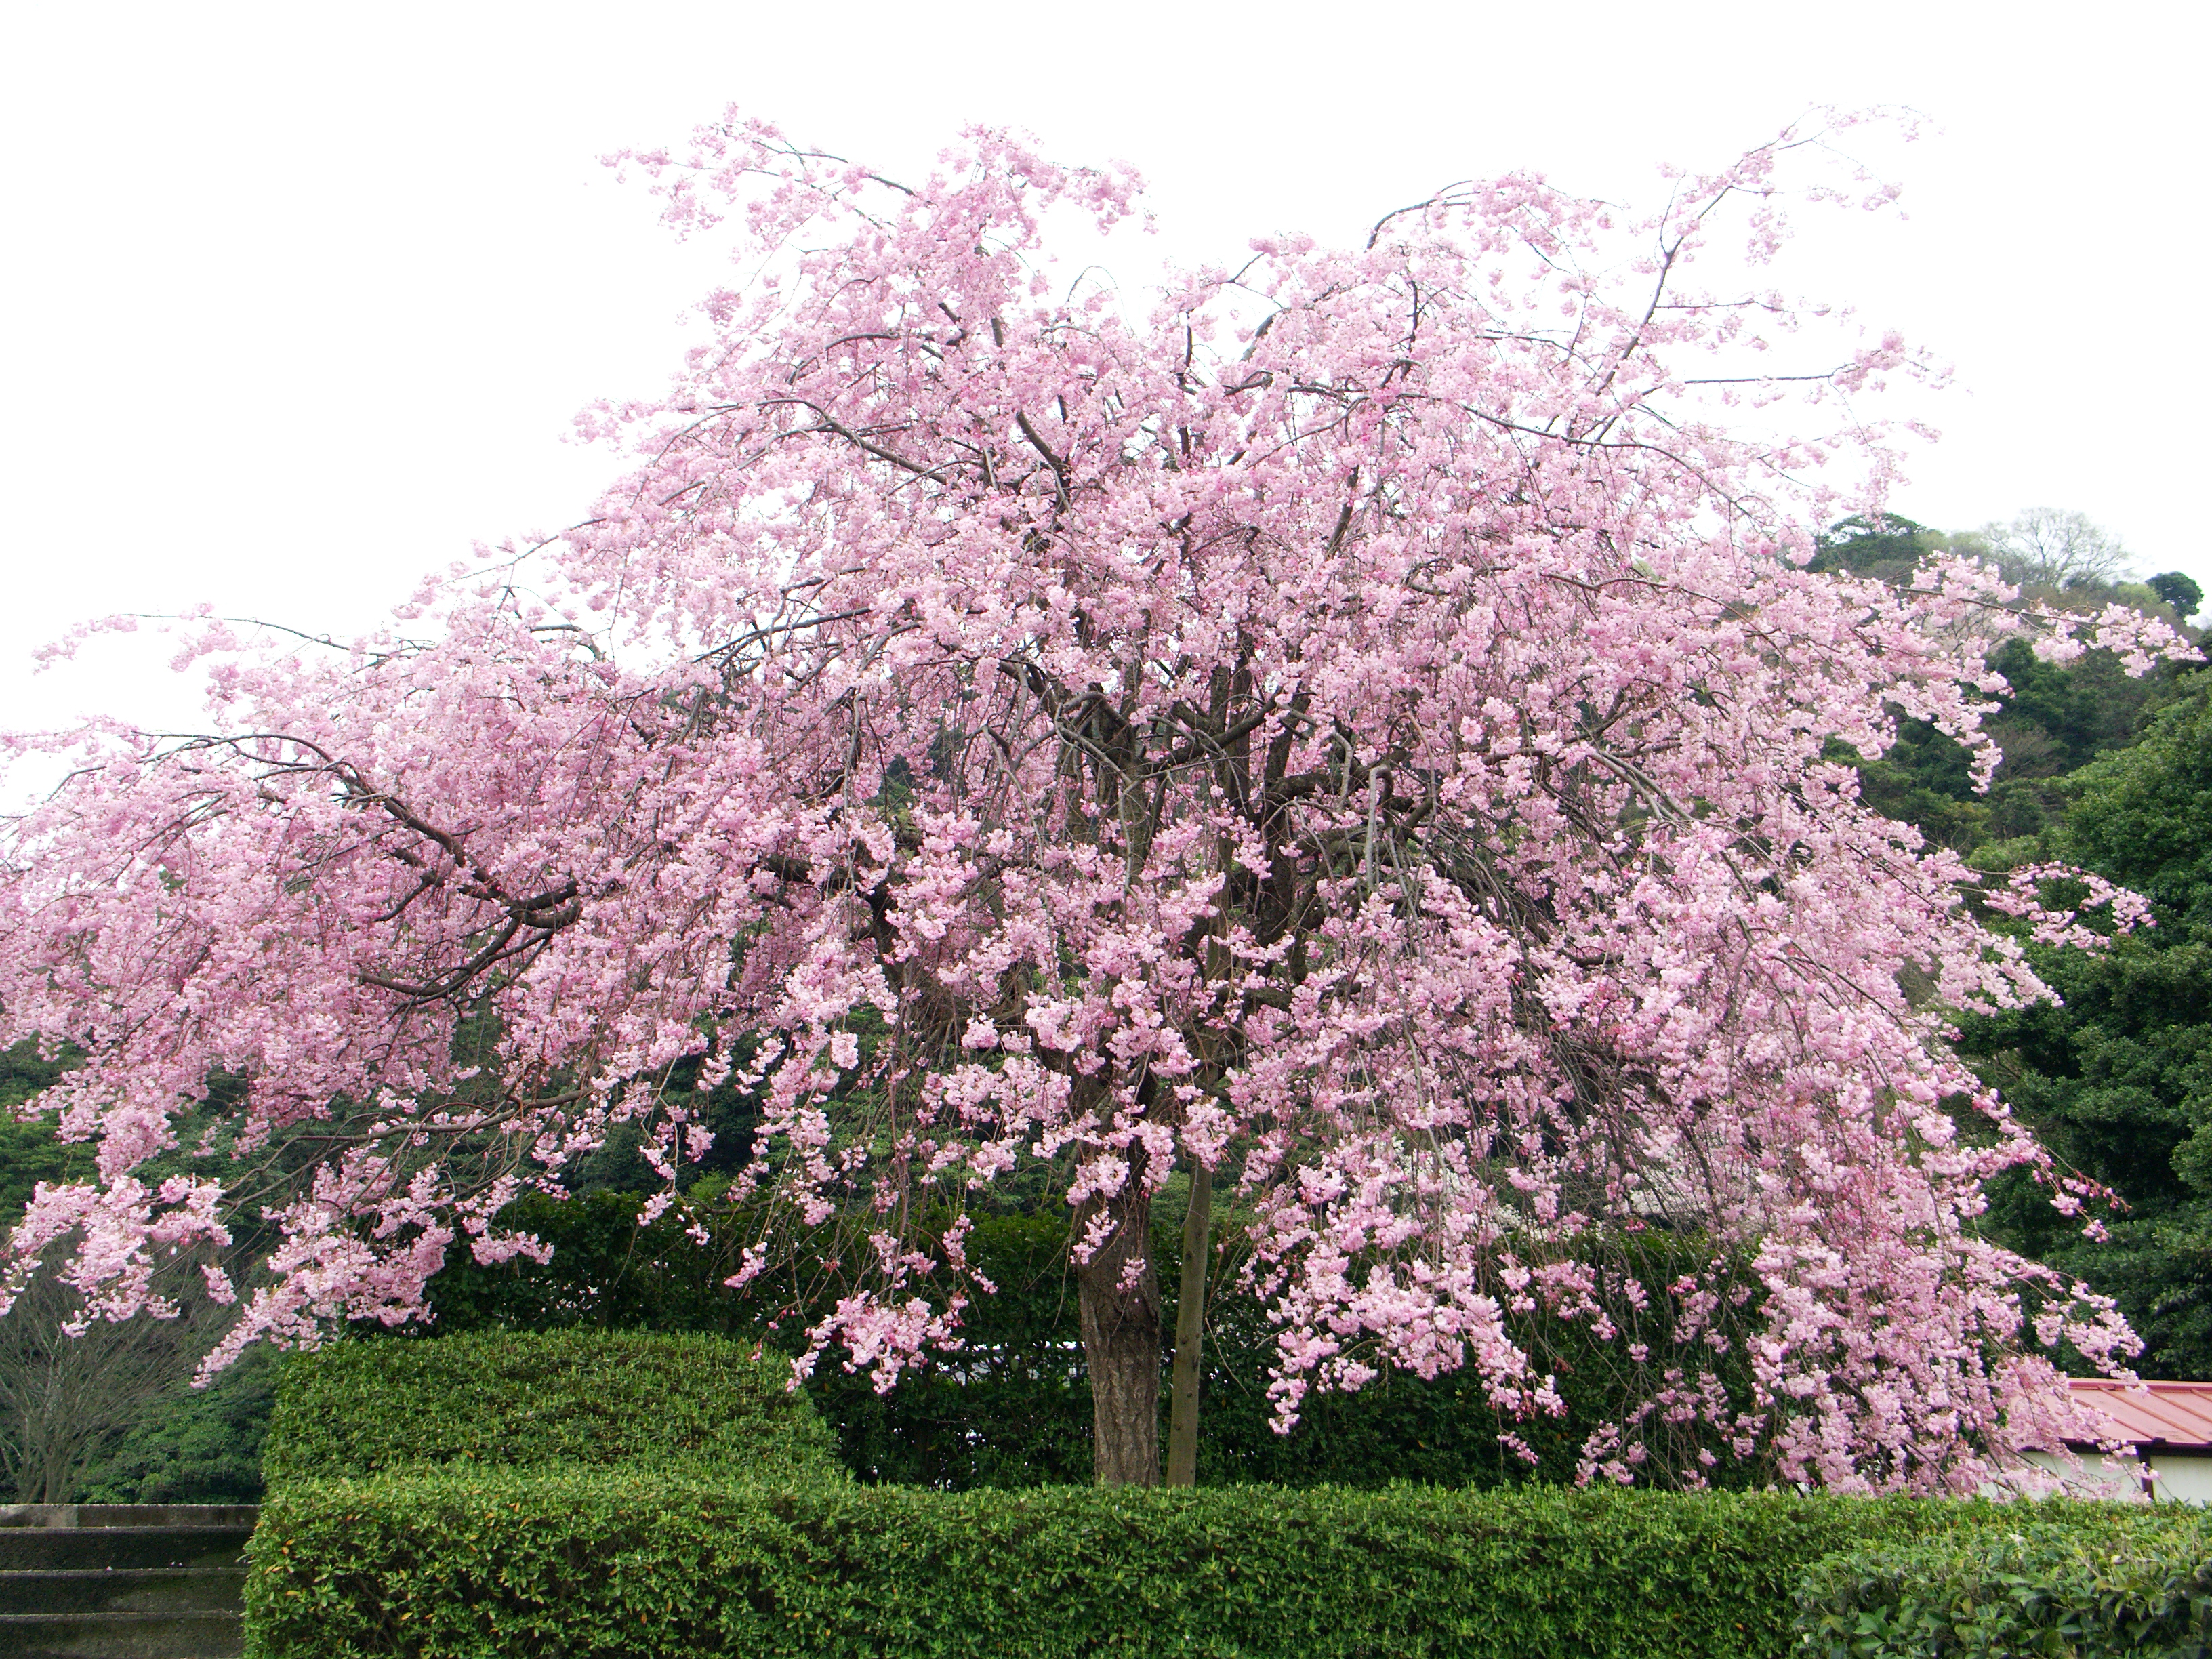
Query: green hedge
x: 523, y: 1399
x: 503, y: 1562
x: 2110, y: 1581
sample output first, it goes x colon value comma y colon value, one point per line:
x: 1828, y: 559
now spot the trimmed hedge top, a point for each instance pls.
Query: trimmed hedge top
x: 2076, y: 1582
x: 549, y: 1564
x: 523, y: 1399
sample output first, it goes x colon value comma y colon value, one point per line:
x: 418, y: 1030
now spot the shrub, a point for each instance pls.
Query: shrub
x: 194, y: 1445
x: 2104, y: 1581
x: 624, y: 1561
x: 523, y: 1399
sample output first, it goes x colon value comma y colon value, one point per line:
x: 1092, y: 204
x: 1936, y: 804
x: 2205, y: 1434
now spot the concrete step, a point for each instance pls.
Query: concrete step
x: 83, y: 1515
x: 47, y: 1549
x: 125, y: 1590
x: 123, y: 1581
x: 207, y: 1634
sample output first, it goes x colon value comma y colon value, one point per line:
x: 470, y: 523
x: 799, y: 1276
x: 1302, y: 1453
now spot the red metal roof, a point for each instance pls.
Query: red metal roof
x: 2178, y: 1413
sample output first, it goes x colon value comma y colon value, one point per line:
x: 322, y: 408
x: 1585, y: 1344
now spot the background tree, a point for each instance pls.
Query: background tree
x: 1357, y: 727
x: 108, y: 1414
x: 2118, y: 1078
x: 1011, y: 1408
x: 2049, y: 718
x: 71, y: 1387
x: 2055, y: 548
x: 1889, y: 547
x: 2103, y: 768
x: 30, y: 1153
x: 192, y: 1445
x: 2179, y: 590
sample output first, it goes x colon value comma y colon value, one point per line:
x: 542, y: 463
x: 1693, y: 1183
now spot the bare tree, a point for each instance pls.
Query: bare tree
x: 65, y: 1400
x: 2056, y: 548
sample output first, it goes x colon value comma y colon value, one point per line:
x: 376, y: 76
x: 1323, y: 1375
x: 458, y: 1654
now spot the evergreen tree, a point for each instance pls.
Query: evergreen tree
x: 2117, y: 1080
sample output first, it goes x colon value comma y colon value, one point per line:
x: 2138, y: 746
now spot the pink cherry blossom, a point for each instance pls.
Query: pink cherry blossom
x: 1357, y: 720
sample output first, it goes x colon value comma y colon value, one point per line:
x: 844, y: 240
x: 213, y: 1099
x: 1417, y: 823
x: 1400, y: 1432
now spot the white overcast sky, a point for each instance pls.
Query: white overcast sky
x: 299, y: 299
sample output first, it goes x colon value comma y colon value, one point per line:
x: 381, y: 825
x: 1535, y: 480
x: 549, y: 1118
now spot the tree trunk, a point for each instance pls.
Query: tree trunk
x: 1122, y: 1348
x: 1190, y: 1330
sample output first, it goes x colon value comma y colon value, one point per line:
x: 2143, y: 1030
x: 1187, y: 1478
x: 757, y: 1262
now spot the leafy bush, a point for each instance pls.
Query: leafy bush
x: 523, y: 1399
x: 195, y: 1445
x: 623, y: 1561
x: 2107, y: 1580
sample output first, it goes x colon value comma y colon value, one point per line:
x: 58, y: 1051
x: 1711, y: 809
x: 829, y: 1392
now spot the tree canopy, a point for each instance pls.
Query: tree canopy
x: 2179, y: 590
x: 2118, y: 1077
x: 1357, y: 727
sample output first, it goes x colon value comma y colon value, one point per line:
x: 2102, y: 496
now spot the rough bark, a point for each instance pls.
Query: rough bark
x: 1190, y: 1331
x: 1122, y: 1348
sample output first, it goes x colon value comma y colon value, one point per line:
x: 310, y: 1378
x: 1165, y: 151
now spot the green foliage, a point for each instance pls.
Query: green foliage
x: 1926, y: 780
x: 607, y: 1273
x: 729, y: 1114
x: 2114, y: 774
x: 1888, y: 549
x: 663, y: 1402
x: 2053, y: 720
x: 564, y: 1563
x: 2118, y: 1079
x: 1012, y: 1407
x: 2141, y: 817
x: 29, y: 1153
x: 196, y: 1445
x: 2056, y: 718
x: 2125, y: 1581
x: 1444, y: 1430
x: 2179, y: 590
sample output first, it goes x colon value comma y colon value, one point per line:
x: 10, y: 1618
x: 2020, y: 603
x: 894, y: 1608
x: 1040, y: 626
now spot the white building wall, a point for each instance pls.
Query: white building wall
x: 2095, y: 1475
x: 2175, y: 1477
x: 2181, y: 1479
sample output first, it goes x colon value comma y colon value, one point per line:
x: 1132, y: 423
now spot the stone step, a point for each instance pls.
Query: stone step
x: 59, y: 1548
x: 125, y: 1590
x: 209, y: 1635
x: 86, y: 1516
